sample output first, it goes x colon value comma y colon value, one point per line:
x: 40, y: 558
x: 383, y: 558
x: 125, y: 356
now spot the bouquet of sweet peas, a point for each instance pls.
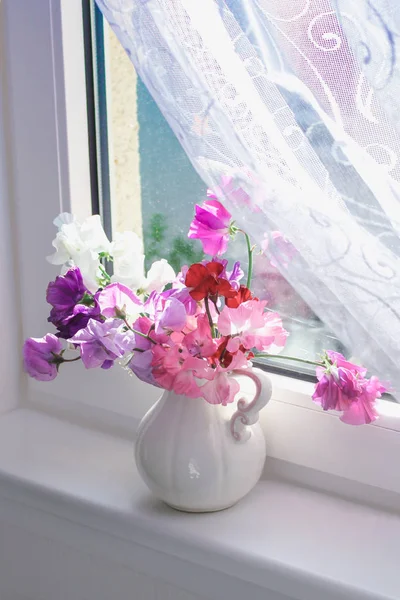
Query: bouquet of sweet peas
x: 187, y: 332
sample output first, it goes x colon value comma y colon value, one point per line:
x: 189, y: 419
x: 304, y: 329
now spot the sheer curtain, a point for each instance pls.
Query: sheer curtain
x: 290, y: 109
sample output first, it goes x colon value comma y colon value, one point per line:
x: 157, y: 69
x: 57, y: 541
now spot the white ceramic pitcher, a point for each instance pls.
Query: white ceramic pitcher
x: 200, y: 457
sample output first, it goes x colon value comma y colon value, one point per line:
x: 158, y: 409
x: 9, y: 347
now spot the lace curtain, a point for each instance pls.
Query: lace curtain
x: 290, y: 110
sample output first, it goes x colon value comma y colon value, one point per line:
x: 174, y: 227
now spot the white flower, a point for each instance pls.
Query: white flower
x: 127, y: 252
x: 74, y: 238
x: 160, y: 273
x: 79, y: 245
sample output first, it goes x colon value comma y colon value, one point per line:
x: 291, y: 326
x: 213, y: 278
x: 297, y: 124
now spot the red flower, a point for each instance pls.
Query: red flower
x: 205, y: 281
x: 242, y: 295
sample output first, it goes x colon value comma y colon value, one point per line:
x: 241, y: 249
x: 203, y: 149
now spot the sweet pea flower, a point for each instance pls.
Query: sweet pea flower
x: 235, y: 275
x: 363, y: 410
x: 252, y: 327
x: 342, y: 386
x: 79, y: 244
x: 159, y: 274
x: 211, y: 226
x: 64, y: 293
x: 207, y: 280
x: 182, y: 293
x: 233, y: 192
x: 172, y: 317
x: 336, y: 389
x: 141, y: 365
x: 128, y: 260
x: 284, y: 249
x: 42, y: 357
x: 221, y: 390
x: 242, y: 295
x: 72, y: 303
x: 102, y: 343
x: 199, y: 342
x: 118, y: 301
x: 77, y: 320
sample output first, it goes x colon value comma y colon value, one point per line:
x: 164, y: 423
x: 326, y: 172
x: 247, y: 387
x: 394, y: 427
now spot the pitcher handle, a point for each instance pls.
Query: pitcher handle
x: 247, y: 412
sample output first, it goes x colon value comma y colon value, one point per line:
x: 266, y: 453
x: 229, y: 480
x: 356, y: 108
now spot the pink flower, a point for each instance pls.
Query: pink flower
x: 199, y: 342
x: 336, y: 390
x: 252, y: 327
x: 363, y: 410
x: 117, y: 300
x: 211, y: 227
x: 342, y: 386
x: 221, y: 390
x: 235, y: 194
x: 283, y: 249
x: 164, y: 370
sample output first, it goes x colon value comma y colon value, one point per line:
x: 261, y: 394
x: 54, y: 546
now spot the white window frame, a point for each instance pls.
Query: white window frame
x: 46, y: 158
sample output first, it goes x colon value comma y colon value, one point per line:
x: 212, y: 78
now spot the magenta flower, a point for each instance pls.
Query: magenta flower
x: 118, y: 301
x: 42, y: 357
x: 73, y: 304
x: 336, y: 390
x: 102, y: 343
x: 342, y: 386
x: 363, y: 410
x: 211, y: 226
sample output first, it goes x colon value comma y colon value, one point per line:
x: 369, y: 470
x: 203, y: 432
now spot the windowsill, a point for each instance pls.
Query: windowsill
x: 298, y: 542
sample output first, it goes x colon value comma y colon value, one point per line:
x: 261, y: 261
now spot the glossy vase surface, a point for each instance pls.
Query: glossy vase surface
x: 200, y: 457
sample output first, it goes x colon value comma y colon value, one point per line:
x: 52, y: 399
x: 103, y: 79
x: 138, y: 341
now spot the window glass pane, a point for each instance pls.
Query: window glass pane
x: 153, y: 191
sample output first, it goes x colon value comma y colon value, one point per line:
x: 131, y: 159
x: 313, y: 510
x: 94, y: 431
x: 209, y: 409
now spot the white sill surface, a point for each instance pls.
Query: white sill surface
x: 293, y: 541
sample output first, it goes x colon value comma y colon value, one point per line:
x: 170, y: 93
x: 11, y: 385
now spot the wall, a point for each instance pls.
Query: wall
x: 10, y: 361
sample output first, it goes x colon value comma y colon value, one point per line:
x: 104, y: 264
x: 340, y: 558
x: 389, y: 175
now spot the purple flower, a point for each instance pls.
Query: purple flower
x: 64, y: 293
x: 102, y: 343
x: 42, y: 356
x: 235, y: 276
x: 172, y: 317
x: 211, y: 226
x: 167, y: 312
x: 182, y: 293
x: 72, y: 303
x: 78, y: 320
x: 141, y: 365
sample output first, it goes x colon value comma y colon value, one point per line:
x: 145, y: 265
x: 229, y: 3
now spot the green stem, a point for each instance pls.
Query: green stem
x: 212, y: 326
x: 138, y: 332
x: 250, y: 255
x: 283, y: 357
x: 71, y: 359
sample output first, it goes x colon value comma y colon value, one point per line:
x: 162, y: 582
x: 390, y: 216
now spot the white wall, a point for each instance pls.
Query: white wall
x: 10, y: 336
